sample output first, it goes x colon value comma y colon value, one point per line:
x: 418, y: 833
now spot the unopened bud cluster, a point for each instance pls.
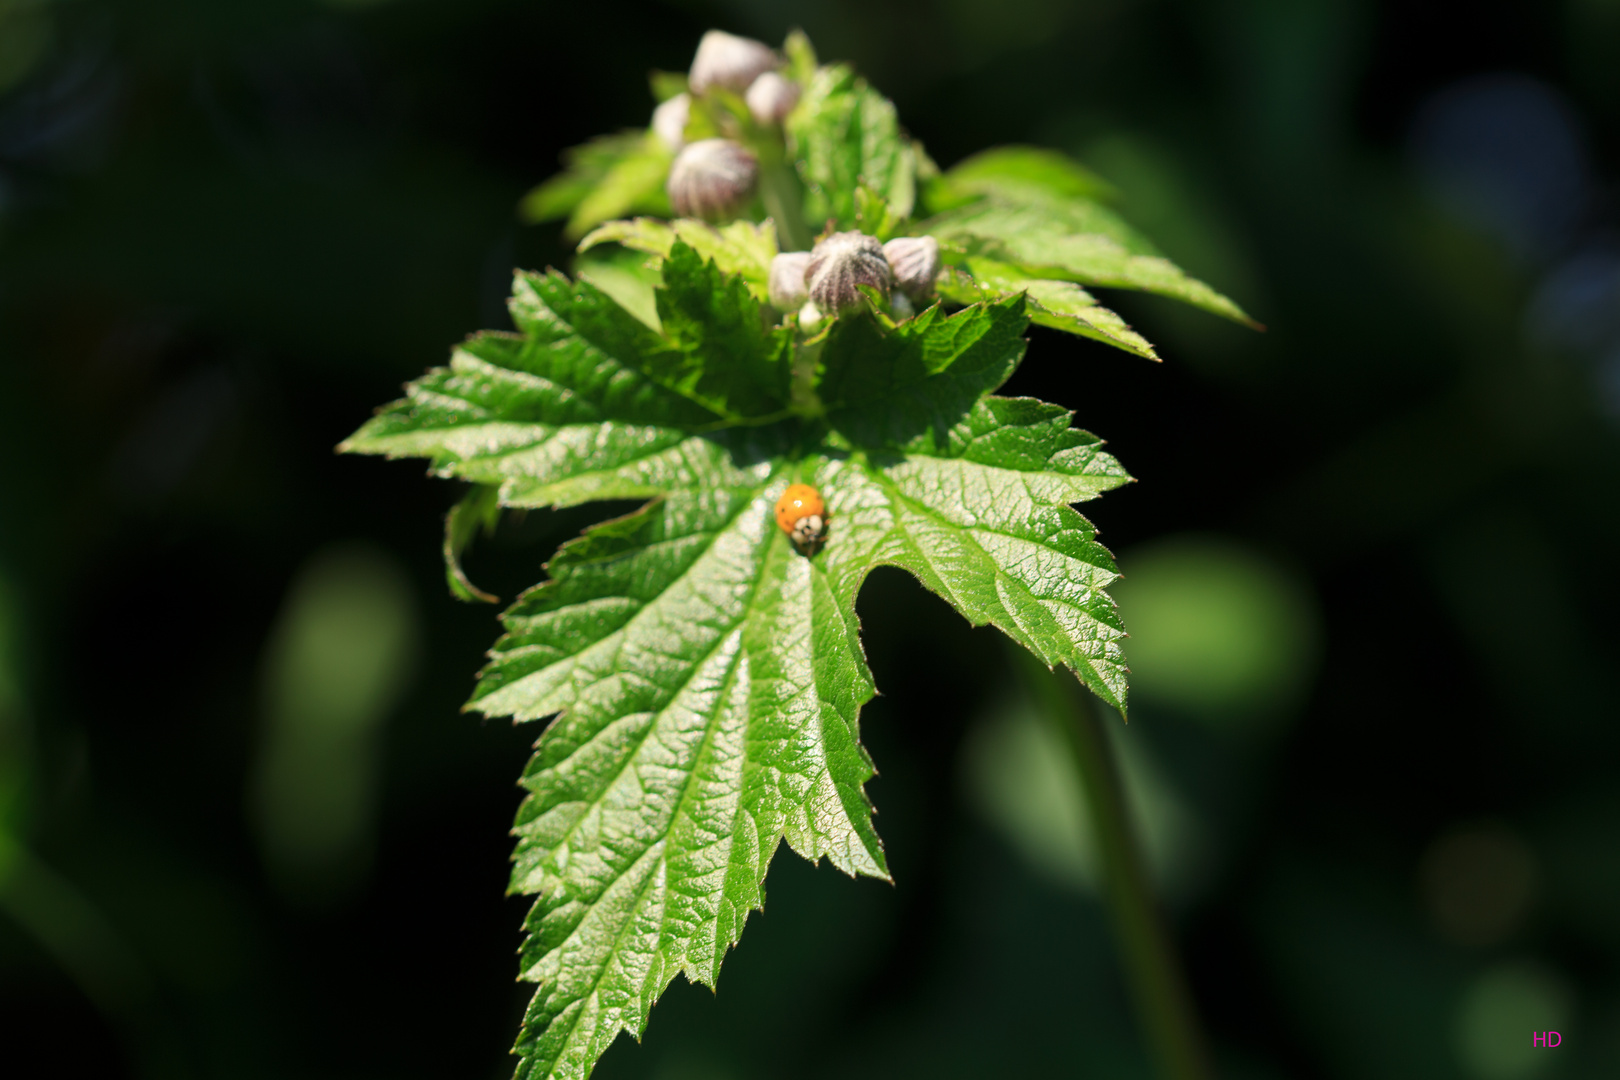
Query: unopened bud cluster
x: 830, y: 278
x: 717, y: 180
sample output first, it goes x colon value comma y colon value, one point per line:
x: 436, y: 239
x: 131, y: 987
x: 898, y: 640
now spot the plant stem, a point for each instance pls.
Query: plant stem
x: 782, y: 195
x: 1164, y: 1007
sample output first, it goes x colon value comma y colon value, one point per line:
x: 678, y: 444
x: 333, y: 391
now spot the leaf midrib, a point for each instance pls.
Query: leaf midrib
x: 696, y: 665
x: 704, y: 752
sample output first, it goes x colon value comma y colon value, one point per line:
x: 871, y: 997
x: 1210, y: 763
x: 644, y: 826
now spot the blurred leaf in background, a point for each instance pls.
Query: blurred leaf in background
x: 338, y: 660
x: 14, y: 733
x: 1018, y: 774
x: 1479, y: 883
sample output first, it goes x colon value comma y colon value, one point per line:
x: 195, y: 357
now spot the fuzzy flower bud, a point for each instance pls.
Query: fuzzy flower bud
x: 669, y: 120
x: 787, y: 287
x: 841, y: 263
x: 711, y: 178
x: 728, y: 60
x: 915, y: 262
x: 772, y: 97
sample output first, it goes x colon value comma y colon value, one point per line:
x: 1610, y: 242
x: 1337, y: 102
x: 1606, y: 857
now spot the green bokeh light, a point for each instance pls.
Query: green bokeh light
x: 1498, y: 1015
x: 1217, y: 630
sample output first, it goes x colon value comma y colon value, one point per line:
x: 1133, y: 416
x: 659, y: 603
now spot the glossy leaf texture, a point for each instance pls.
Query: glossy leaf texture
x: 1036, y: 215
x: 705, y: 676
x: 1061, y: 305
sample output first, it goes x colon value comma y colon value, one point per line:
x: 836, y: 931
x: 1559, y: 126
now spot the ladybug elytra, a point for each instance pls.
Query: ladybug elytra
x: 803, y: 516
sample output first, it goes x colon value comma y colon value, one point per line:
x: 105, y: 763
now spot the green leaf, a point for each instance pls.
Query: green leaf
x: 557, y: 414
x: 801, y: 57
x: 626, y: 275
x: 741, y: 247
x: 1061, y: 305
x: 1071, y: 239
x: 709, y: 679
x: 889, y: 388
x: 845, y: 134
x: 666, y: 84
x: 873, y: 215
x: 607, y: 178
x: 709, y: 684
x: 1020, y: 173
x: 480, y: 508
x: 706, y: 678
x: 984, y: 521
x: 724, y: 354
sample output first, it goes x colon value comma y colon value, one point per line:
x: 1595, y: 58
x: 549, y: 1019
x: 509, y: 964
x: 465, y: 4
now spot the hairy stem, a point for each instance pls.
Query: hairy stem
x: 1164, y: 1007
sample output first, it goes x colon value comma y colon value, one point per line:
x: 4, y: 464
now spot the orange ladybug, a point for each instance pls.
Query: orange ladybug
x: 803, y: 516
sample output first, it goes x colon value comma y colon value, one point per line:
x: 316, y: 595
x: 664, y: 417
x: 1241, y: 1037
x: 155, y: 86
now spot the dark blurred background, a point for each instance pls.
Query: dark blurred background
x: 1371, y: 559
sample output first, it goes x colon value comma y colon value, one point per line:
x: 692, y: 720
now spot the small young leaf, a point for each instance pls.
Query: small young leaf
x: 724, y: 354
x: 845, y: 134
x: 883, y: 389
x: 626, y: 275
x: 606, y: 178
x: 1061, y: 305
x: 740, y: 247
x: 1075, y: 240
x: 801, y: 57
x: 666, y: 84
x: 479, y: 509
x: 873, y: 216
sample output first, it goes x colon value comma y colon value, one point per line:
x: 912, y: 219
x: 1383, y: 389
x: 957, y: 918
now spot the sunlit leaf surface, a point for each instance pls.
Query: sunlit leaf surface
x: 705, y: 676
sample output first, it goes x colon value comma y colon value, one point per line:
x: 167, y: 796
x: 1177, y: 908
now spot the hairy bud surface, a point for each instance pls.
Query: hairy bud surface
x: 728, y: 60
x: 915, y: 262
x: 711, y: 178
x: 772, y: 97
x: 669, y: 120
x: 787, y: 286
x: 842, y: 263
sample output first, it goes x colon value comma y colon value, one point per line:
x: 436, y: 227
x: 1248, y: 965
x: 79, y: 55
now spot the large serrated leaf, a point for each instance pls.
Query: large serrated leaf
x: 708, y: 712
x: 706, y: 677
